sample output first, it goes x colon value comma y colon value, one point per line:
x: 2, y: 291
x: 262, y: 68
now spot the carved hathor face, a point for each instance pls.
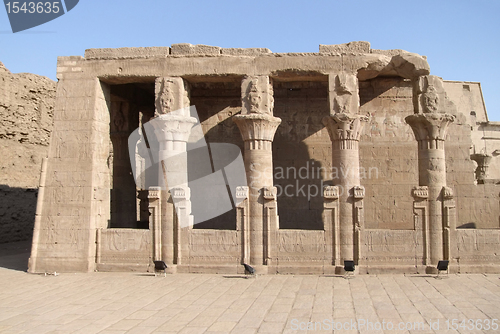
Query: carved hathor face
x: 431, y: 100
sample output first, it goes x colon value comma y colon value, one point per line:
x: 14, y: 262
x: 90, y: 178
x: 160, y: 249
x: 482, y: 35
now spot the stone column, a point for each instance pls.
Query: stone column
x: 344, y: 126
x: 257, y: 126
x: 430, y: 124
x: 172, y: 127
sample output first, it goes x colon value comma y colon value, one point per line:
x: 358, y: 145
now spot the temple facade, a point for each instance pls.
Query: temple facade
x: 307, y: 160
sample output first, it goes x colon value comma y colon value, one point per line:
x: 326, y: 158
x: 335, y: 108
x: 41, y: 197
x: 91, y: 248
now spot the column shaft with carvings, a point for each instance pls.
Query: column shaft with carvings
x: 172, y: 127
x: 430, y: 124
x: 344, y: 126
x: 257, y: 126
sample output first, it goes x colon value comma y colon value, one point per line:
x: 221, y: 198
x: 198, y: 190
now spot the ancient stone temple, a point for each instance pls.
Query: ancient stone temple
x: 350, y: 153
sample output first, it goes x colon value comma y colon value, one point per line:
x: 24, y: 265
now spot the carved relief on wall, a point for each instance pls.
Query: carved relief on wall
x: 214, y: 242
x: 54, y: 238
x: 430, y: 96
x: 474, y: 242
x: 119, y: 116
x: 257, y: 95
x: 172, y: 93
x: 393, y: 243
x: 124, y: 246
x: 253, y: 98
x: 430, y: 100
x: 344, y: 96
x: 305, y: 242
x: 165, y: 95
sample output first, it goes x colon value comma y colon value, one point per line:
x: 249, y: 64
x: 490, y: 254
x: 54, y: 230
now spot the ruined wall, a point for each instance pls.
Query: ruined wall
x: 26, y: 109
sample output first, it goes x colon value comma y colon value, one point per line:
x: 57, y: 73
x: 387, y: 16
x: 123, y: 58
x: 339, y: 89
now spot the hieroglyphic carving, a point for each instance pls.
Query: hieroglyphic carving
x: 391, y: 246
x: 214, y: 243
x: 301, y: 241
x: 477, y: 243
x: 125, y: 246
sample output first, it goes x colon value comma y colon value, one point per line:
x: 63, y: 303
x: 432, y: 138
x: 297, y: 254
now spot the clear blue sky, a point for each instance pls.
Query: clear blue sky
x: 460, y: 38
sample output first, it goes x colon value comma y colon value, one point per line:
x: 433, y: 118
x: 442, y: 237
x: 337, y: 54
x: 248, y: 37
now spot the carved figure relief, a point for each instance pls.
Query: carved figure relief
x: 165, y: 97
x: 430, y: 100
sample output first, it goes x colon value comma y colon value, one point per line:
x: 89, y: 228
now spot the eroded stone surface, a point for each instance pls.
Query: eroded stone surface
x: 26, y: 122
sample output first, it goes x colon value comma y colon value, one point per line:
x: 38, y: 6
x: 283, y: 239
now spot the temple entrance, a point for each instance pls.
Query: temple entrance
x: 131, y: 105
x: 301, y: 151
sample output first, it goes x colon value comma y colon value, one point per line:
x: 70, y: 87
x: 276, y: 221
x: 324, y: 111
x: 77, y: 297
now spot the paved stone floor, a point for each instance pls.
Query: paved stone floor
x: 142, y: 303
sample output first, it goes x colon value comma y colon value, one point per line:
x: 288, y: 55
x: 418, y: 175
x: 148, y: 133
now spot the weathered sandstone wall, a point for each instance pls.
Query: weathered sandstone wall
x: 26, y: 108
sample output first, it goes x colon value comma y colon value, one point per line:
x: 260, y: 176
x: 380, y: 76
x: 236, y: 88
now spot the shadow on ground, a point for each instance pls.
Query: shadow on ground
x: 15, y: 255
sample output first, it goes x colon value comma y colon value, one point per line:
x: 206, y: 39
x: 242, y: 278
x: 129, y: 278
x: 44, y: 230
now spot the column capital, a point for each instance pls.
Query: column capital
x: 257, y: 126
x: 433, y: 112
x: 345, y: 128
x: 174, y: 126
x: 430, y: 129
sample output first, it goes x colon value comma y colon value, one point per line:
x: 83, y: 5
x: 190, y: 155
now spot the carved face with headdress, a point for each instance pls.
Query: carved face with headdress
x: 431, y: 100
x: 254, y: 97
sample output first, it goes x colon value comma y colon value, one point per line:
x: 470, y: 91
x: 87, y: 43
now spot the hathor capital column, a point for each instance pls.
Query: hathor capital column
x: 257, y: 126
x: 344, y: 126
x: 172, y: 127
x: 430, y: 124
